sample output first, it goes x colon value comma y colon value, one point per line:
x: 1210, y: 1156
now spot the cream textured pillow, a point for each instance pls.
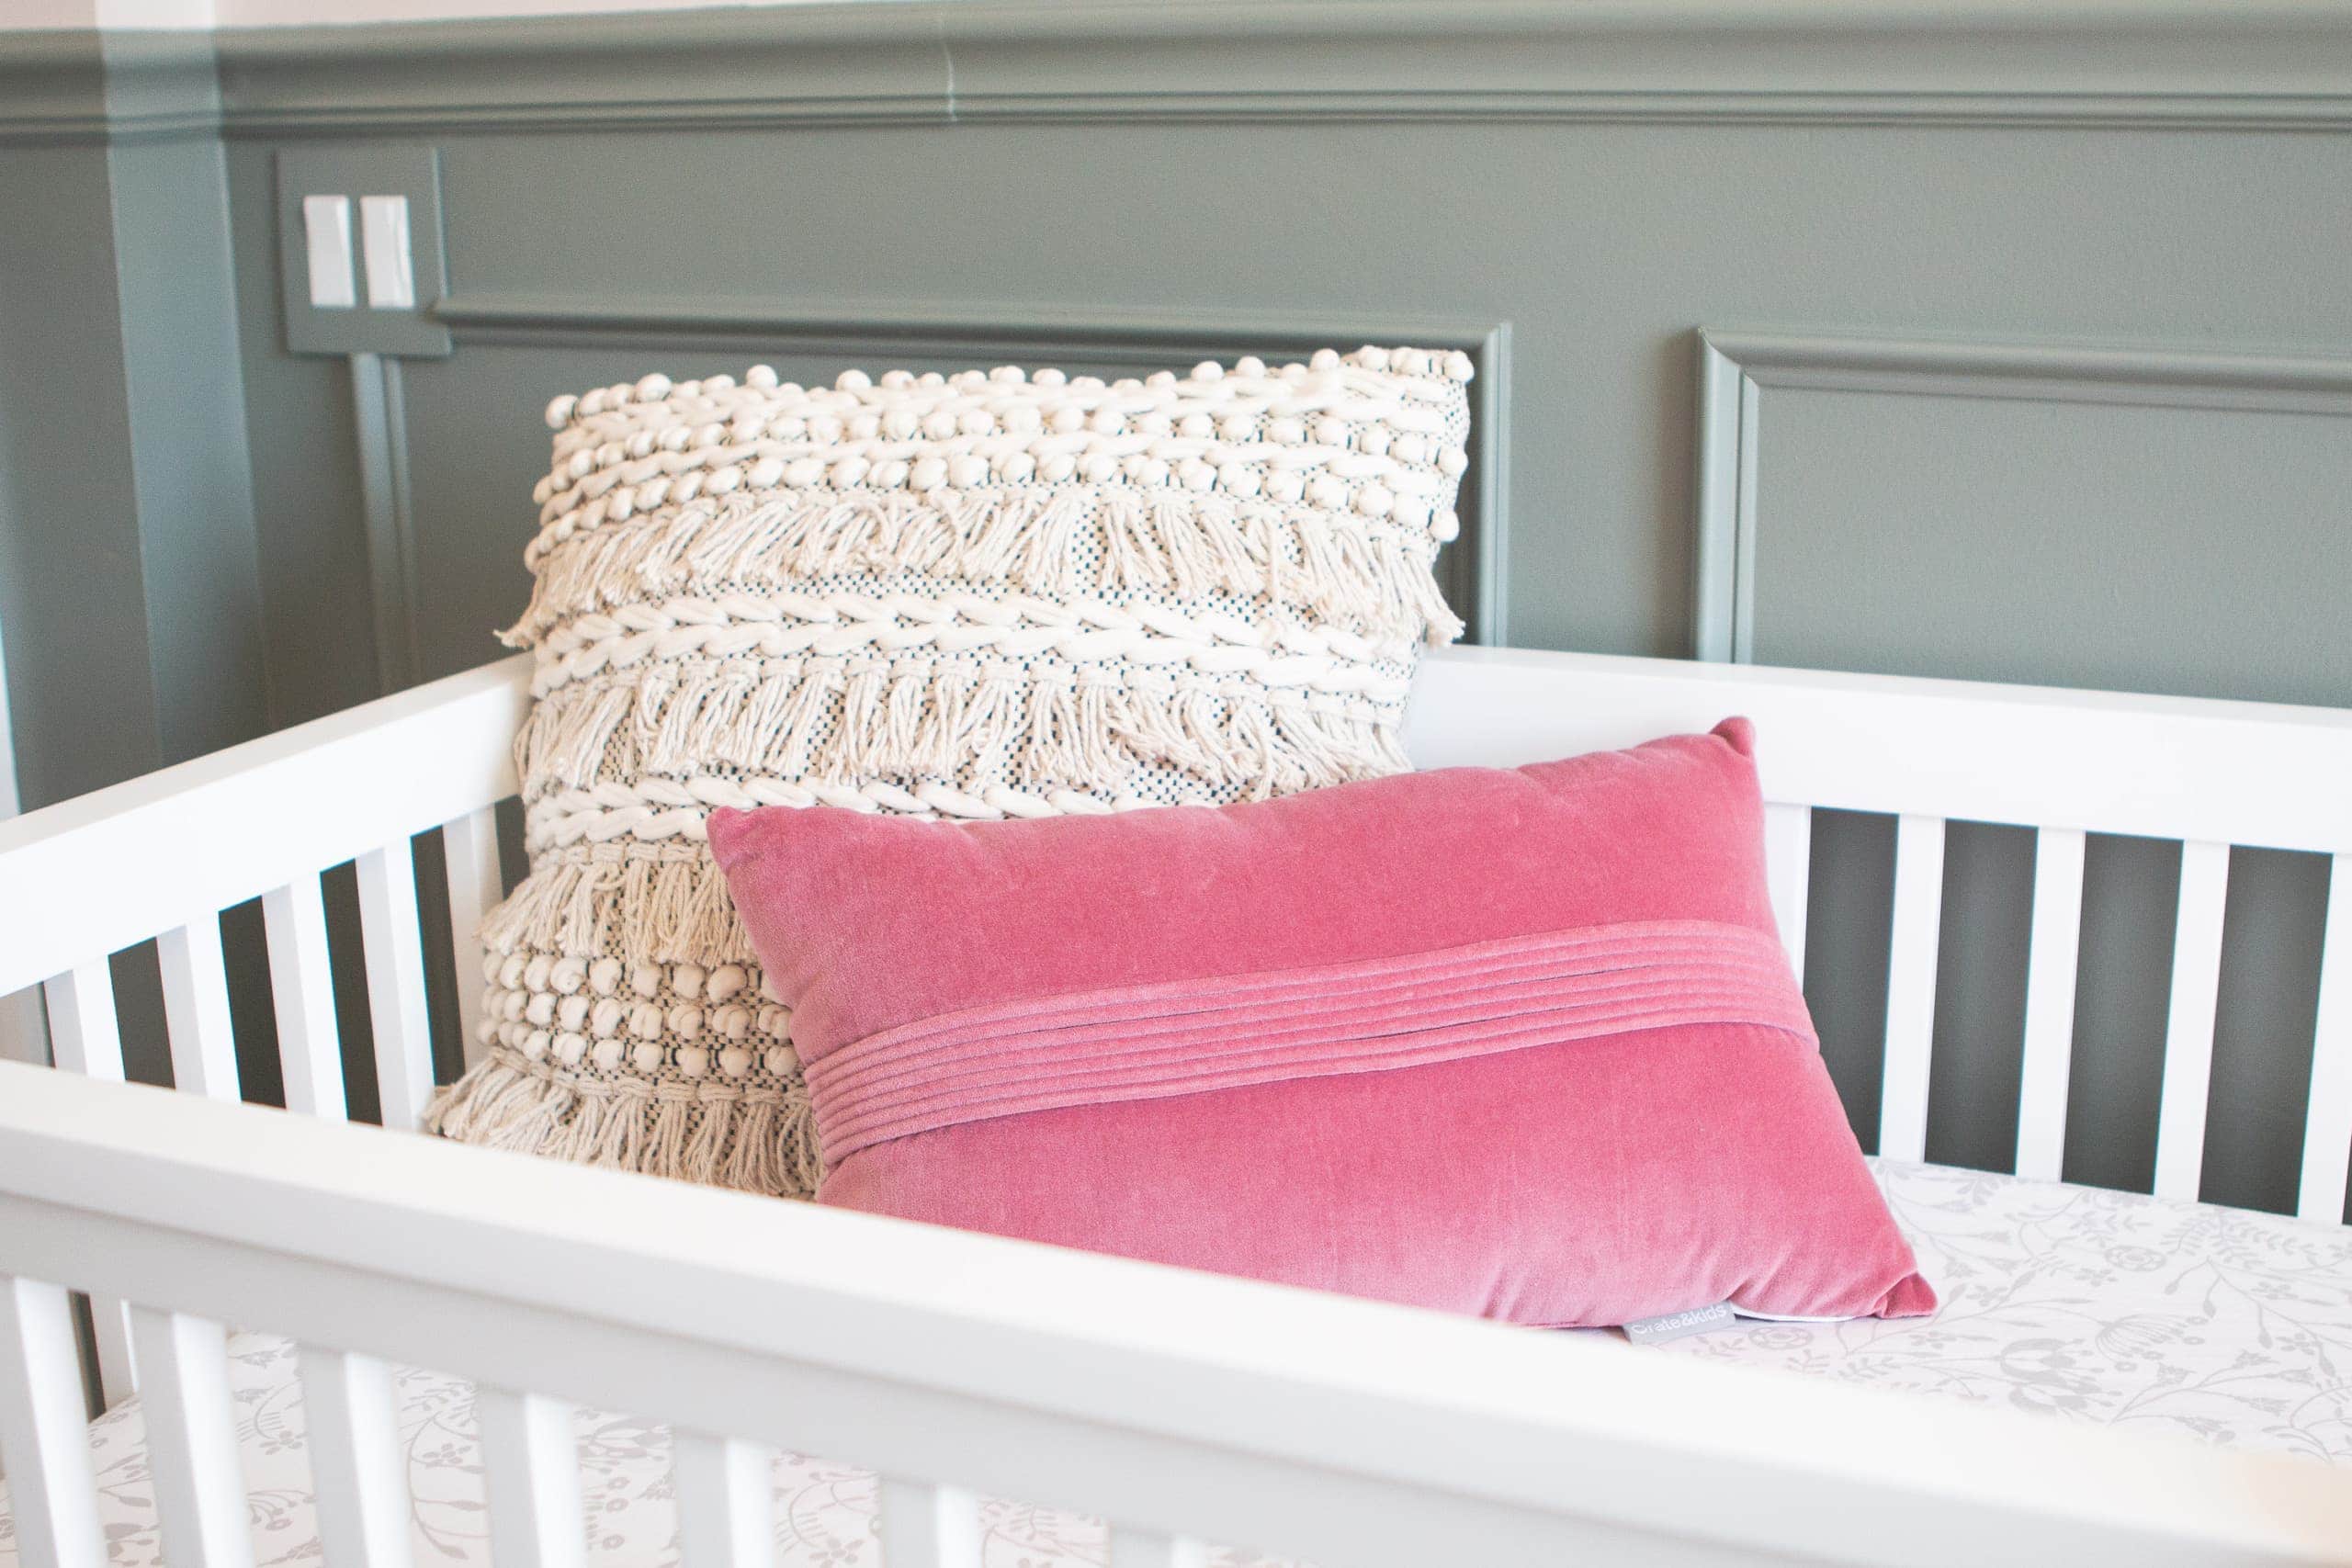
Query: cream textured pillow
x: 987, y: 594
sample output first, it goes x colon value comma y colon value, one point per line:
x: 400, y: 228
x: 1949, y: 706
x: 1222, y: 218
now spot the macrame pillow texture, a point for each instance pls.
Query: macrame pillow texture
x: 1515, y: 1042
x: 980, y: 596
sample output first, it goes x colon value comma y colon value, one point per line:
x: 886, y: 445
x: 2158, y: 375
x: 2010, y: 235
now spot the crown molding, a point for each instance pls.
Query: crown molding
x: 68, y: 86
x: 2239, y: 64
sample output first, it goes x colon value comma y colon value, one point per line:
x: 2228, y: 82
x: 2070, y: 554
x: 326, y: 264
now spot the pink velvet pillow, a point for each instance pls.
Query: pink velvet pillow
x: 1520, y: 1043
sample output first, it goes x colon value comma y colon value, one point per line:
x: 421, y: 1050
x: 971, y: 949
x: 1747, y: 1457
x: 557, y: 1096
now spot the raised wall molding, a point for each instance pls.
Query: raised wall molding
x: 1471, y: 570
x: 69, y: 87
x: 2257, y: 63
x: 1735, y: 369
x: 1961, y: 62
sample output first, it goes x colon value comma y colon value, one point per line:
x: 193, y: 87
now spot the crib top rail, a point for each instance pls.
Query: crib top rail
x: 106, y: 870
x: 2255, y: 774
x: 1337, y: 1429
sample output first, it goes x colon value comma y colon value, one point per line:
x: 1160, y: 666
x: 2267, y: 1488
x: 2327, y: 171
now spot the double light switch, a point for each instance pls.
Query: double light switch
x: 384, y: 250
x: 360, y: 249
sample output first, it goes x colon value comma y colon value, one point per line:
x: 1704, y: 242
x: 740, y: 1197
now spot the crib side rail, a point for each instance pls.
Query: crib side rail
x: 2212, y: 776
x: 99, y: 873
x: 2188, y: 769
x: 1182, y: 1407
x: 162, y: 856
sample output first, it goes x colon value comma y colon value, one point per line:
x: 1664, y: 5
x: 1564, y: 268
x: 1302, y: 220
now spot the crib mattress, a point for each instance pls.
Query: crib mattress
x: 2085, y: 1305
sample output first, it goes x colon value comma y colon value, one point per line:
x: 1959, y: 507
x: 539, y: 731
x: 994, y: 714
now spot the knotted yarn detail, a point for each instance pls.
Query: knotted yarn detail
x: 1193, y: 1036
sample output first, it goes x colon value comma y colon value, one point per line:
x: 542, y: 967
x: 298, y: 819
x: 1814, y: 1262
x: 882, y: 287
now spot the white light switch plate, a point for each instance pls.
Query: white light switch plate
x: 326, y: 229
x: 383, y: 240
x: 360, y: 250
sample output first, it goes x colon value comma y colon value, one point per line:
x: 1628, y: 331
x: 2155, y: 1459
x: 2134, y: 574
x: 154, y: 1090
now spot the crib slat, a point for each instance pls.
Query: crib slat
x: 1911, y: 987
x: 532, y: 1470
x: 395, y: 957
x: 44, y: 1441
x: 302, y: 989
x: 2053, y: 952
x: 2327, y: 1124
x: 726, y: 1503
x: 929, y: 1526
x: 192, y: 1439
x: 476, y: 885
x: 1142, y: 1549
x: 196, y: 1010
x: 1788, y: 861
x: 85, y: 1038
x: 2188, y: 1029
x: 82, y: 1033
x: 355, y: 1462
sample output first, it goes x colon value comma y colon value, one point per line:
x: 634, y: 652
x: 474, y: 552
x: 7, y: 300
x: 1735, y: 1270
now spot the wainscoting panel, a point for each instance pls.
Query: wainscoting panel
x: 2152, y: 519
x: 2187, y: 482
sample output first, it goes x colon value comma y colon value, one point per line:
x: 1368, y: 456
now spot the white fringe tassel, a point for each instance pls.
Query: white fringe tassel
x: 758, y: 1137
x: 833, y: 718
x: 657, y: 905
x: 1372, y: 576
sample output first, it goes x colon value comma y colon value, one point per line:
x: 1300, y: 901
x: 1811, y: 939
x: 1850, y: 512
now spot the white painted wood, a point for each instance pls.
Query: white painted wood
x: 213, y: 832
x: 196, y: 1009
x: 198, y: 1479
x: 111, y: 1338
x: 476, y: 885
x: 357, y: 1461
x: 2053, y: 948
x: 83, y: 1031
x: 1788, y: 860
x: 531, y: 1466
x: 309, y: 1045
x: 2188, y: 1026
x: 2327, y: 1124
x: 395, y: 955
x: 1911, y: 987
x: 726, y: 1502
x: 925, y: 1526
x: 1315, y: 1427
x: 85, y: 1038
x: 1334, y: 1430
x: 1146, y: 1549
x: 2174, y: 768
x: 44, y: 1442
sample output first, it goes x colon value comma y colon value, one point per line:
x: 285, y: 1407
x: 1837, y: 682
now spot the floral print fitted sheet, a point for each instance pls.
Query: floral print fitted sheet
x: 2105, y: 1308
x: 2080, y: 1304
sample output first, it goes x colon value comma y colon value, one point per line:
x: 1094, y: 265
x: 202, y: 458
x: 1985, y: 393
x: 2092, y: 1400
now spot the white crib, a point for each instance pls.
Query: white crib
x: 1182, y: 1407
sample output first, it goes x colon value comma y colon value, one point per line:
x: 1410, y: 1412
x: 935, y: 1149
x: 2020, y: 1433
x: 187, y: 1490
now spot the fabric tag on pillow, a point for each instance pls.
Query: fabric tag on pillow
x: 1678, y: 1324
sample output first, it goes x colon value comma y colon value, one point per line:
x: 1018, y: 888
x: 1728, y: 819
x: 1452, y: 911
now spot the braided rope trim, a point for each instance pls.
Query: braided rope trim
x: 1023, y: 626
x: 653, y: 810
x: 1067, y: 544
x: 656, y: 809
x: 1049, y: 735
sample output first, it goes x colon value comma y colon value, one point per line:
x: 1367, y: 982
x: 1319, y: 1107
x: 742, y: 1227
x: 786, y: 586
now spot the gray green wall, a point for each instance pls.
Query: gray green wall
x: 1577, y: 190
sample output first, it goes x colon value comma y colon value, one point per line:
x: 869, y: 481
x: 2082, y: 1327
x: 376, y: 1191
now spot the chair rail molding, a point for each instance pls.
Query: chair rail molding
x: 1735, y: 367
